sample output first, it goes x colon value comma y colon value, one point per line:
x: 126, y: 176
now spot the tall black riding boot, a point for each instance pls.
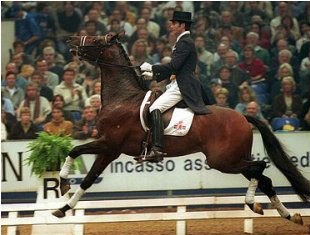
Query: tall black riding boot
x: 156, y: 154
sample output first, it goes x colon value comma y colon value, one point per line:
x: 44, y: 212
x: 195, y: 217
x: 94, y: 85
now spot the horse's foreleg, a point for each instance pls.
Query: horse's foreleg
x: 97, y: 168
x: 265, y: 185
x: 94, y: 147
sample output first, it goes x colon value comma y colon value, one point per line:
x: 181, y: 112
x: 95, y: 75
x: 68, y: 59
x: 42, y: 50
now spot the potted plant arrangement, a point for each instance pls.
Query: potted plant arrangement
x: 48, y: 152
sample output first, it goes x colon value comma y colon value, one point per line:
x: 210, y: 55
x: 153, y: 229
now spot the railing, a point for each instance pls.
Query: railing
x: 180, y: 215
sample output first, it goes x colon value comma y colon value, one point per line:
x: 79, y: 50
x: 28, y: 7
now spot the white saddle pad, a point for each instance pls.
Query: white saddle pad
x: 180, y: 123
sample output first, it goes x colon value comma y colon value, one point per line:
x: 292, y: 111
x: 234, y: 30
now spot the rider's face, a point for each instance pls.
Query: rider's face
x: 176, y: 28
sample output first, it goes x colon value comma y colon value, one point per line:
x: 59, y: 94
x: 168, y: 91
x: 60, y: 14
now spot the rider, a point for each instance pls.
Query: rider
x: 183, y: 84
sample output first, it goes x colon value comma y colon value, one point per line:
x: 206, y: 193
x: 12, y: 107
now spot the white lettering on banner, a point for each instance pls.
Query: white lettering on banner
x: 185, y: 172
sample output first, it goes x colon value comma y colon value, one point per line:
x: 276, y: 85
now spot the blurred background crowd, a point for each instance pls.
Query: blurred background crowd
x: 254, y: 57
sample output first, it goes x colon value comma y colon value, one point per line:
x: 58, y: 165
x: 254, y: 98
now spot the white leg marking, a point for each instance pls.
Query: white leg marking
x: 249, y: 198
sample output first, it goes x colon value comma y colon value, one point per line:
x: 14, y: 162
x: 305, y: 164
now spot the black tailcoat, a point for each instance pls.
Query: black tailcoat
x: 183, y: 65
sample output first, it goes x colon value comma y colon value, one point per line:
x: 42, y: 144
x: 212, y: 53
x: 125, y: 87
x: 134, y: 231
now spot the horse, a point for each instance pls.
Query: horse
x: 225, y: 136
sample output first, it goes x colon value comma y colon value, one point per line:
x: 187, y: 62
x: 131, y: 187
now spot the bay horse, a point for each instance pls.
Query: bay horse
x: 224, y: 136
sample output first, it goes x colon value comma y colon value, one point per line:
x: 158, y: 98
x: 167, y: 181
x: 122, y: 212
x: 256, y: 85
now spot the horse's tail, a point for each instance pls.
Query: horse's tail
x: 281, y: 159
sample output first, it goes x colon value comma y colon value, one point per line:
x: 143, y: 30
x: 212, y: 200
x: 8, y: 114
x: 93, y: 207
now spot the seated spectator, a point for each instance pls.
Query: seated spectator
x: 19, y: 47
x: 219, y: 57
x: 238, y: 76
x: 95, y: 102
x: 49, y: 55
x: 11, y: 91
x: 151, y: 26
x: 25, y: 128
x: 80, y: 75
x: 58, y: 57
x: 51, y: 79
x: 304, y: 78
x: 38, y: 105
x: 253, y: 39
x: 116, y: 14
x: 96, y: 87
x: 225, y: 77
x: 287, y: 107
x: 253, y: 109
x: 142, y: 34
x: 221, y: 97
x: 59, y: 102
x: 256, y: 69
x: 7, y: 118
x: 159, y: 48
x: 86, y: 128
x: 7, y: 105
x: 27, y: 30
x: 246, y: 95
x: 99, y: 6
x: 127, y: 11
x: 263, y: 33
x: 93, y: 15
x: 226, y: 26
x: 45, y: 91
x: 73, y: 93
x: 23, y: 78
x: 203, y: 27
x: 233, y: 45
x: 140, y: 51
x: 58, y: 125
x: 285, y: 70
x: 255, y: 10
x: 204, y: 56
x: 69, y: 20
x: 283, y: 10
x: 305, y: 34
x: 305, y: 113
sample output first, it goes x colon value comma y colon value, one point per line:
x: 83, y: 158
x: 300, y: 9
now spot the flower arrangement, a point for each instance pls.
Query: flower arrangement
x: 48, y: 153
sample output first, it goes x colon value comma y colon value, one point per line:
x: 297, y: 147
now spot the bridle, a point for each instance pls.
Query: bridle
x: 82, y: 51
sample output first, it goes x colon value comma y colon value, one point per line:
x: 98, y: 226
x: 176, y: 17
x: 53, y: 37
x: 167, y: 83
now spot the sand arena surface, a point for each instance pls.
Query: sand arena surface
x: 262, y: 226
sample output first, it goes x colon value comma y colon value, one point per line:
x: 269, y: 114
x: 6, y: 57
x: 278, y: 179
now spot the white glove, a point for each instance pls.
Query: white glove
x: 146, y: 67
x: 147, y: 75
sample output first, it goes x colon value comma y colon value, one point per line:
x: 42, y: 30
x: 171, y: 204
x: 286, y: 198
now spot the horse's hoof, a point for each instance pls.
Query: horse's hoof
x: 59, y: 214
x: 258, y: 208
x: 64, y: 186
x: 297, y: 219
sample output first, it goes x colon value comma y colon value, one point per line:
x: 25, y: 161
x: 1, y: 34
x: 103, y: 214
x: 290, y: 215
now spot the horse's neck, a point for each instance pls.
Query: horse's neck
x: 120, y: 86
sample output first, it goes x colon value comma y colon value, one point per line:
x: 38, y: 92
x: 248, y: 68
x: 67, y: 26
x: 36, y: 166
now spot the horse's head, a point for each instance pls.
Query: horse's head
x: 91, y: 48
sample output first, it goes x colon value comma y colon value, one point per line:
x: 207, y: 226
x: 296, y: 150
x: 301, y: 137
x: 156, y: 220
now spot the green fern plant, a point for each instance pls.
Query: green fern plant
x: 48, y: 152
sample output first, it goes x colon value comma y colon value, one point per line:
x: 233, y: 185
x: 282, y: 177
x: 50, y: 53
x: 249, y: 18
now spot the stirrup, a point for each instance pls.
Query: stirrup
x: 152, y: 156
x: 155, y: 156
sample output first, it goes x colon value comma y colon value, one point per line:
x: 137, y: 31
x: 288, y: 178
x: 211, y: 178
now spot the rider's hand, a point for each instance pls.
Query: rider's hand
x: 146, y: 67
x: 147, y: 75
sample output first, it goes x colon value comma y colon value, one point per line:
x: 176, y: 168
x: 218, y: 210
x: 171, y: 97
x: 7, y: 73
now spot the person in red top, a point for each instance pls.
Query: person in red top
x: 257, y: 70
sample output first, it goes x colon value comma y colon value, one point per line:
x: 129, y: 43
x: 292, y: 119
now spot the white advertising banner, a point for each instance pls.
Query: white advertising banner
x: 186, y: 172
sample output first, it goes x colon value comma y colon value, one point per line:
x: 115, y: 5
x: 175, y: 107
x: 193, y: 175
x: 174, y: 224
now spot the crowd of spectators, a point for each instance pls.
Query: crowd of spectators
x: 254, y: 57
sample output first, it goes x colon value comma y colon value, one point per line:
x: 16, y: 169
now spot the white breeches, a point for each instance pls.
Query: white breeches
x: 169, y: 98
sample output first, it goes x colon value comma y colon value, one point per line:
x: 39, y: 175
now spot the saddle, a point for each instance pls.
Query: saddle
x: 145, y: 120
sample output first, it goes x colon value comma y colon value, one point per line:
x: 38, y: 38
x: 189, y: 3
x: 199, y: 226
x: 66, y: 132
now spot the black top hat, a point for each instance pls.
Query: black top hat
x: 182, y: 16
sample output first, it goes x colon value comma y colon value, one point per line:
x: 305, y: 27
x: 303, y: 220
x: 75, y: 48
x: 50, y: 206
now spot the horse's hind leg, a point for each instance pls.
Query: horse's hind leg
x: 94, y: 147
x: 253, y: 174
x: 97, y: 168
x: 264, y: 183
